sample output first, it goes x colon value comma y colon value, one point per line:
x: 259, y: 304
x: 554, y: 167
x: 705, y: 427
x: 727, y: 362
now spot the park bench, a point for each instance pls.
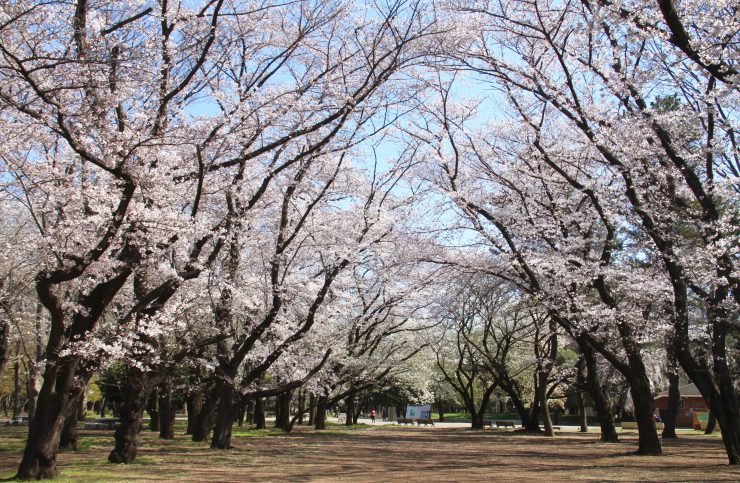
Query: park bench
x: 425, y: 422
x: 103, y: 424
x: 504, y: 423
x: 405, y: 421
x: 19, y: 421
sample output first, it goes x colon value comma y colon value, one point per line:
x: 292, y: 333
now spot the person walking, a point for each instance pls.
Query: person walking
x: 372, y: 415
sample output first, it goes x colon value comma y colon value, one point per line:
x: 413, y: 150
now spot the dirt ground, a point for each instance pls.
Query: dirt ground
x: 388, y: 454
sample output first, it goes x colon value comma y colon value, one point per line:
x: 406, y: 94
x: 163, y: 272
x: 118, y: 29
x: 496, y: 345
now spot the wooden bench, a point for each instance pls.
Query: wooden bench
x: 425, y: 422
x: 405, y: 421
x: 504, y: 423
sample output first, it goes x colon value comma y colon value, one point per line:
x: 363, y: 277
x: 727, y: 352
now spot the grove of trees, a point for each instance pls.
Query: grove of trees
x: 213, y: 204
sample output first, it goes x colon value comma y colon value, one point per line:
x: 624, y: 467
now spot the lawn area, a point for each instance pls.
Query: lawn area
x: 377, y: 453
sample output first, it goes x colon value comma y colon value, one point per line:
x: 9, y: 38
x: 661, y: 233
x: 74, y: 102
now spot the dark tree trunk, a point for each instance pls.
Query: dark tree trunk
x: 476, y: 421
x: 282, y: 417
x: 594, y: 389
x: 4, y: 334
x: 82, y: 405
x: 241, y: 412
x: 350, y: 403
x: 721, y: 400
x: 582, y: 419
x: 127, y: 434
x: 542, y: 397
x: 259, y: 413
x: 320, y: 418
x: 301, y: 406
x: 166, y: 411
x: 205, y: 420
x: 441, y: 409
x: 17, y: 381
x: 56, y: 398
x: 68, y: 438
x: 139, y: 388
x: 194, y: 405
x: 35, y: 372
x: 529, y: 417
x: 642, y: 399
x: 225, y: 415
x: 153, y: 410
x: 103, y: 406
x: 312, y: 411
x: 674, y: 400
x: 711, y: 424
x: 250, y: 411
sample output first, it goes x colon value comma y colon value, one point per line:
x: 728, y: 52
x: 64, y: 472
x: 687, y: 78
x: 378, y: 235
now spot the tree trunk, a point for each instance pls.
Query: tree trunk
x: 225, y: 415
x: 674, y: 400
x: 282, y: 419
x: 250, y: 411
x: 320, y: 418
x: 4, y: 335
x: 44, y: 431
x: 594, y: 389
x: 153, y: 410
x: 127, y: 435
x: 642, y: 399
x: 476, y: 421
x: 312, y: 411
x: 33, y: 391
x: 722, y: 403
x: 259, y: 413
x: 582, y: 419
x: 103, y: 405
x: 68, y: 438
x: 350, y: 403
x: 301, y: 406
x: 82, y: 405
x: 194, y: 404
x: 542, y: 397
x: 441, y: 409
x: 17, y: 381
x: 711, y: 424
x: 34, y: 382
x: 241, y: 412
x: 166, y: 411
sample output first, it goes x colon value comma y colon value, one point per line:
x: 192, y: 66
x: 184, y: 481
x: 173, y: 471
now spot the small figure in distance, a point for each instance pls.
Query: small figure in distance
x: 372, y: 415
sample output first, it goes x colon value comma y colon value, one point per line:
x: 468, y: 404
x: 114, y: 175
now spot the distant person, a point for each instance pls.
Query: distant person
x: 372, y: 415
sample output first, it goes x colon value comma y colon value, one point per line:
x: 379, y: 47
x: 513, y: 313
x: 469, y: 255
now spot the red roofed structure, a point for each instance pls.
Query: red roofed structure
x: 691, y: 401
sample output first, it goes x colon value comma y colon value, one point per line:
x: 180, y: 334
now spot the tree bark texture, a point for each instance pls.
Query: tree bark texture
x: 166, y: 411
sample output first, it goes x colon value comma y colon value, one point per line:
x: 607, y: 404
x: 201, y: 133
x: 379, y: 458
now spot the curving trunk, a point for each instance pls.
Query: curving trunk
x: 130, y: 420
x: 55, y: 401
x: 542, y: 398
x: 592, y: 385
